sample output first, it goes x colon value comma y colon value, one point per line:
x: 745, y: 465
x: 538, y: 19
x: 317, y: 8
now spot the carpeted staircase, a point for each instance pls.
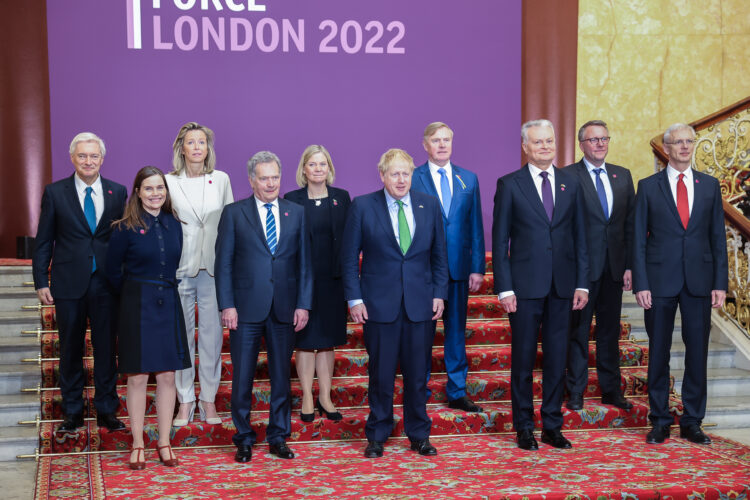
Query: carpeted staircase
x: 488, y: 349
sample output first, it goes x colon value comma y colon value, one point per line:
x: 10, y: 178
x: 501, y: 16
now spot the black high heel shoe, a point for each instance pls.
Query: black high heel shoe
x: 335, y: 416
x: 307, y: 417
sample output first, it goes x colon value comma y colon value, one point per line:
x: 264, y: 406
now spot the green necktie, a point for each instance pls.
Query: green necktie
x: 404, y: 236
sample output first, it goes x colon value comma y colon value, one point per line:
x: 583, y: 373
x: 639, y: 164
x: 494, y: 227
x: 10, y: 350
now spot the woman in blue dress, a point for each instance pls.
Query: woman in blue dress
x: 142, y: 260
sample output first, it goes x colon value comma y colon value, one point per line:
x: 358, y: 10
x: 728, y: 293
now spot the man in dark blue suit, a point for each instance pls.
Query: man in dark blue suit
x: 458, y: 192
x: 398, y: 295
x: 679, y: 259
x: 541, y: 271
x: 264, y: 290
x: 73, y: 232
x: 609, y: 196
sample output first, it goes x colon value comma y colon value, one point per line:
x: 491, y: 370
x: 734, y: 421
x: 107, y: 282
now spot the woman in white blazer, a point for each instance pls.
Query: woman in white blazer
x: 199, y: 194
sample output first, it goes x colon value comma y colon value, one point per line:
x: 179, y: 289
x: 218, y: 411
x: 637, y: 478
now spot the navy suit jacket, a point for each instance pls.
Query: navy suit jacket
x: 63, y: 236
x: 666, y: 255
x: 389, y: 277
x: 464, y: 233
x: 338, y: 207
x: 530, y: 253
x: 611, y: 237
x: 252, y: 279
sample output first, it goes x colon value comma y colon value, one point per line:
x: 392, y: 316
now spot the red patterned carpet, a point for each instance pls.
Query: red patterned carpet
x: 601, y: 464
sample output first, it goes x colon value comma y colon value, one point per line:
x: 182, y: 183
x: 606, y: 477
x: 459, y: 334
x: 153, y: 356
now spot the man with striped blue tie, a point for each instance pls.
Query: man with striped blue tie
x: 264, y: 290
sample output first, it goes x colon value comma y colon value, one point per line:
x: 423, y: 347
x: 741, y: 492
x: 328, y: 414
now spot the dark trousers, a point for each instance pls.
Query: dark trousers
x: 409, y: 344
x: 552, y: 313
x: 605, y: 299
x: 98, y: 306
x: 244, y: 348
x: 696, y: 326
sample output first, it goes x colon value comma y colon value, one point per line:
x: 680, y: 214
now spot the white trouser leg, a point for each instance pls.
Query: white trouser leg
x: 184, y: 379
x: 210, y: 337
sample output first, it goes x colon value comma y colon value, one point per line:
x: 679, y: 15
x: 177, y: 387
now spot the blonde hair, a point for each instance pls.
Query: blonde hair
x: 178, y: 158
x: 434, y: 127
x: 306, y: 154
x: 392, y: 155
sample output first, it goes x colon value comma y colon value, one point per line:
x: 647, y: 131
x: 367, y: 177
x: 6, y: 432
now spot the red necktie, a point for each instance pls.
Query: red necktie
x: 682, y: 201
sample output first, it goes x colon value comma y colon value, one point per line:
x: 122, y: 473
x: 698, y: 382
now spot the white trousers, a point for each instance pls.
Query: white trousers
x: 202, y: 289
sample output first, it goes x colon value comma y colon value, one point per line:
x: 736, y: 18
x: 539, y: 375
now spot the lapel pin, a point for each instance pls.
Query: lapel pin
x: 614, y: 176
x: 109, y: 191
x: 143, y: 231
x: 335, y: 202
x: 461, y: 181
x: 286, y: 214
x: 421, y: 206
x: 562, y: 187
x: 210, y: 181
x: 697, y: 181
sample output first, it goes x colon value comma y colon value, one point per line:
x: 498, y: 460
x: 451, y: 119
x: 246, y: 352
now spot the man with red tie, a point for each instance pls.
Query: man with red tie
x: 680, y: 258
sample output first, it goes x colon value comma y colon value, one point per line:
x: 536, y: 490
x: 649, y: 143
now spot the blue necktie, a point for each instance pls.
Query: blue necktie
x: 601, y: 192
x: 270, y: 228
x: 445, y: 191
x: 90, y: 212
x: 547, y: 201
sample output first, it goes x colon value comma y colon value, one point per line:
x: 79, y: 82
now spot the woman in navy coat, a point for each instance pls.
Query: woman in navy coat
x: 142, y: 260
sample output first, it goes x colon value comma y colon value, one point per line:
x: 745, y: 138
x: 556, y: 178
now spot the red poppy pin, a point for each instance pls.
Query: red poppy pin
x: 286, y: 214
x: 562, y: 187
x: 210, y: 181
x: 697, y: 181
x: 109, y: 191
x: 335, y: 203
x: 143, y: 231
x: 614, y: 176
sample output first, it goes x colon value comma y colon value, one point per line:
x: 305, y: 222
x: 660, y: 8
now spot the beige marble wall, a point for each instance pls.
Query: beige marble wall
x: 645, y: 64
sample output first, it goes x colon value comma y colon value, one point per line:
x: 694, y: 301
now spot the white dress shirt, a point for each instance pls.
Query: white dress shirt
x: 436, y: 178
x: 96, y: 195
x: 673, y: 175
x: 605, y: 181
x: 262, y: 213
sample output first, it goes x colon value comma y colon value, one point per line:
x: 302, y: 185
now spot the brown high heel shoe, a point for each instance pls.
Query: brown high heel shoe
x: 170, y: 462
x: 138, y: 464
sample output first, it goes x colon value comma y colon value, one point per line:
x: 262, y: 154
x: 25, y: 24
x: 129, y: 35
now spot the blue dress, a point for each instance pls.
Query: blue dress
x: 142, y: 264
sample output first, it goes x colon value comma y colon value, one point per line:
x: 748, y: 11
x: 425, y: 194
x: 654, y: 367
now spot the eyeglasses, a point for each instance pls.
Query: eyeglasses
x: 682, y: 142
x: 594, y: 140
x: 93, y: 157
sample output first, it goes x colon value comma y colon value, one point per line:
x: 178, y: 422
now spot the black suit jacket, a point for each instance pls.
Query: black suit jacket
x: 530, y: 253
x: 613, y: 237
x: 666, y: 256
x: 63, y: 237
x: 338, y: 207
x: 252, y: 279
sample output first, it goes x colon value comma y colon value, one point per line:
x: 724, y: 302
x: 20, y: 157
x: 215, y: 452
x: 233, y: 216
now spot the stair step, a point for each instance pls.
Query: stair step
x: 728, y: 412
x: 13, y: 322
x: 14, y: 378
x: 13, y: 297
x: 18, y: 440
x: 14, y: 349
x: 15, y: 276
x: 721, y: 382
x: 17, y: 407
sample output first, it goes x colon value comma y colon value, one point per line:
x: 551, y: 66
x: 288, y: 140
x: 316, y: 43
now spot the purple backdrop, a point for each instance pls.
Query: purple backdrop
x: 358, y: 77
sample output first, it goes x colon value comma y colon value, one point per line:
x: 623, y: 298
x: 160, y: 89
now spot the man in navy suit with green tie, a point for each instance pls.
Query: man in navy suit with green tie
x: 458, y: 192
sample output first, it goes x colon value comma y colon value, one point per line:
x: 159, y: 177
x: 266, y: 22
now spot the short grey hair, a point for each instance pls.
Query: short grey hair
x: 590, y: 123
x: 674, y: 128
x: 534, y: 123
x: 261, y: 157
x: 87, y: 137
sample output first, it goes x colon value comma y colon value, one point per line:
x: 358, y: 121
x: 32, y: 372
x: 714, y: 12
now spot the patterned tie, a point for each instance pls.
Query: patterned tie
x: 270, y: 228
x: 404, y: 235
x: 682, y: 201
x: 90, y: 212
x: 549, y: 204
x: 601, y: 193
x: 445, y: 191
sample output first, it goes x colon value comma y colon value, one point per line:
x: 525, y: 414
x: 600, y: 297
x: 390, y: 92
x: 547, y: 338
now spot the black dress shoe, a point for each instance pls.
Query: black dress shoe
x: 526, y: 441
x: 554, y: 437
x: 465, y: 404
x: 575, y: 402
x: 694, y: 434
x: 374, y: 449
x: 109, y: 421
x: 617, y: 400
x: 657, y: 434
x: 307, y: 417
x: 71, y: 423
x: 244, y: 453
x: 281, y: 450
x: 424, y: 447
